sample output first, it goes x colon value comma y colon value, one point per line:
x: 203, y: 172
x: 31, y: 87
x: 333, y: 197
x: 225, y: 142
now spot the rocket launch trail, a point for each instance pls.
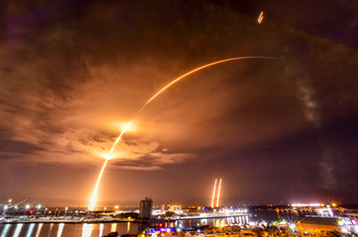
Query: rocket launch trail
x: 158, y: 93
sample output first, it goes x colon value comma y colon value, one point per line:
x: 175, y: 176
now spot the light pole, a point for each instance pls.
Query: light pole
x: 54, y: 215
x: 66, y: 211
x: 15, y: 208
x: 4, y: 212
x: 27, y: 207
x: 38, y: 209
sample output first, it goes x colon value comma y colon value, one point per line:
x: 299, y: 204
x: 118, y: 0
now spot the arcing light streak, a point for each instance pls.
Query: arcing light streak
x: 212, y: 200
x: 93, y: 200
x: 217, y: 200
x: 198, y: 69
x: 119, y: 137
x: 163, y: 89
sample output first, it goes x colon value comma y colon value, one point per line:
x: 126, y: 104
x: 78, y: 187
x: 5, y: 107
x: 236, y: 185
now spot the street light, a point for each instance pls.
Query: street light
x: 27, y: 207
x: 4, y: 212
x: 54, y: 215
x: 38, y: 208
x: 15, y: 208
x: 66, y: 211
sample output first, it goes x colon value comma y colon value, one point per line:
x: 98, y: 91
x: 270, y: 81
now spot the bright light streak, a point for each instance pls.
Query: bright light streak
x: 39, y: 230
x: 198, y: 69
x: 153, y: 97
x: 217, y: 200
x: 60, y: 230
x: 5, y: 230
x: 113, y: 227
x: 119, y: 137
x: 101, y: 229
x: 18, y: 230
x: 30, y: 230
x: 93, y: 200
x: 212, y: 200
x: 261, y: 17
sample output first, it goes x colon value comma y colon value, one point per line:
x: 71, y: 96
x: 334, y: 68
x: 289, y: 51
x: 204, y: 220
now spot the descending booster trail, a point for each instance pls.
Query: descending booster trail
x: 153, y: 97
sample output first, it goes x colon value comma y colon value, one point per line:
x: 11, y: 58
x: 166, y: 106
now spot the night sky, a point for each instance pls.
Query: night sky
x: 74, y: 73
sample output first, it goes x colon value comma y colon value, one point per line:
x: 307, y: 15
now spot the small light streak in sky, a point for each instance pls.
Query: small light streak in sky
x: 218, y: 197
x: 261, y: 17
x: 212, y: 200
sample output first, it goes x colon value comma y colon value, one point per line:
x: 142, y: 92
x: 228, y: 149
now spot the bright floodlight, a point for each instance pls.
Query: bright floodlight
x: 27, y: 206
x: 5, y: 207
x: 38, y: 206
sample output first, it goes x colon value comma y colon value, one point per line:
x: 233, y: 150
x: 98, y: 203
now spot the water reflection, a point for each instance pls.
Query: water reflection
x: 39, y: 230
x: 114, y: 227
x: 60, y: 229
x: 31, y: 228
x: 5, y: 230
x: 49, y: 233
x: 18, y: 230
x: 100, y: 230
x: 87, y: 230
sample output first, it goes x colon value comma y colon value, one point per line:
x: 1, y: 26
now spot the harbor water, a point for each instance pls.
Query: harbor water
x: 66, y: 230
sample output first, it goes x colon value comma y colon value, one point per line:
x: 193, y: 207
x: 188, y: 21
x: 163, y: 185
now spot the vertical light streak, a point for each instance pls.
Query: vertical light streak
x: 87, y: 230
x: 113, y: 227
x: 84, y: 228
x: 159, y: 92
x: 212, y: 200
x: 50, y: 231
x: 5, y: 230
x: 29, y: 231
x: 100, y: 230
x: 60, y: 229
x: 128, y: 226
x: 18, y: 230
x: 39, y: 230
x: 217, y: 199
